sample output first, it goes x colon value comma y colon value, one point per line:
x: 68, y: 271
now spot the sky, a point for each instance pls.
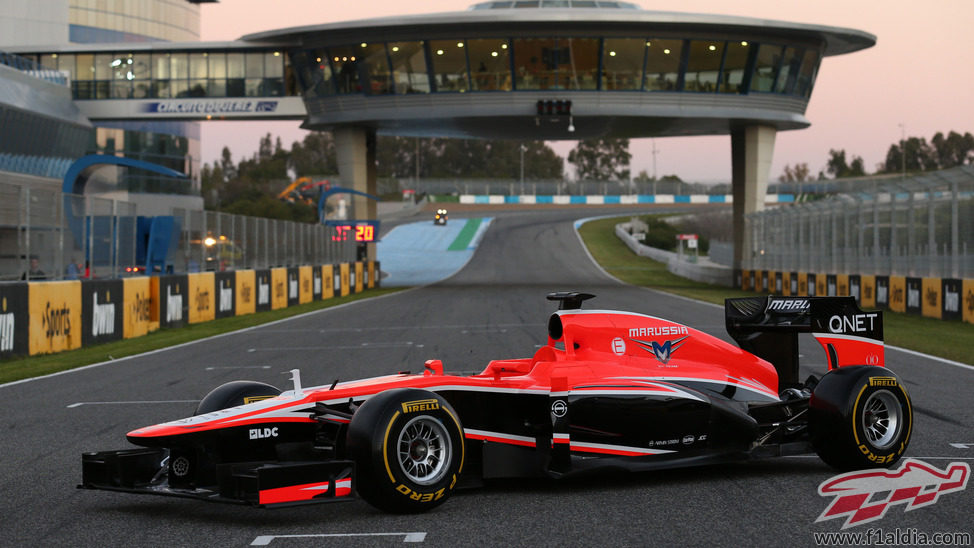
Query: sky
x: 917, y: 80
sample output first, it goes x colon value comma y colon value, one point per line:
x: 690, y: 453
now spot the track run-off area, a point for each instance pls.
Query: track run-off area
x: 484, y: 301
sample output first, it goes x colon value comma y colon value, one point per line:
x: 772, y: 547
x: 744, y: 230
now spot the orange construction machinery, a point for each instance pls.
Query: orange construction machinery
x: 303, y: 189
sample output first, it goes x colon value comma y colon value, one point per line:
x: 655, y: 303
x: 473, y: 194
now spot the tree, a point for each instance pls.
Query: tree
x: 251, y: 186
x: 542, y: 162
x: 226, y: 164
x: 919, y: 156
x: 468, y: 158
x: 211, y: 182
x: 601, y: 159
x: 642, y: 177
x: 953, y: 150
x: 799, y: 173
x: 315, y: 155
x: 838, y: 168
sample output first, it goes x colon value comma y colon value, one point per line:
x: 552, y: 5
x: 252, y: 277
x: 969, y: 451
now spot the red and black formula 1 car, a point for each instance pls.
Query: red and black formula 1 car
x: 609, y: 390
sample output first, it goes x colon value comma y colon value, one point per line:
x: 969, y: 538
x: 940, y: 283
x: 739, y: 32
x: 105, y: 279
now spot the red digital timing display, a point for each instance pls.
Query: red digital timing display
x: 358, y: 233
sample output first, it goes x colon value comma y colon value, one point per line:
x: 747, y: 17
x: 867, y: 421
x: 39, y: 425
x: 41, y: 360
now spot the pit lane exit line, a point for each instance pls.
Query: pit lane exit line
x: 264, y: 540
x: 80, y: 403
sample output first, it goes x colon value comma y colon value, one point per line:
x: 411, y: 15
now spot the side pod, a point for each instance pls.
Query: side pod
x: 768, y: 327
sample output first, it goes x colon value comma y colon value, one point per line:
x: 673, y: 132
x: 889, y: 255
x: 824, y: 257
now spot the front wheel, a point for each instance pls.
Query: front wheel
x: 860, y: 417
x: 235, y: 393
x: 408, y: 449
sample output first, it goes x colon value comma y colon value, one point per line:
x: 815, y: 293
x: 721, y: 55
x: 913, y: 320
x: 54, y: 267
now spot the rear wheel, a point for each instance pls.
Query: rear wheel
x: 860, y: 417
x: 408, y: 449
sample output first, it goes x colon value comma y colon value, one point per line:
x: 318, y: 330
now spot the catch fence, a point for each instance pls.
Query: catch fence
x: 915, y: 226
x: 45, y: 234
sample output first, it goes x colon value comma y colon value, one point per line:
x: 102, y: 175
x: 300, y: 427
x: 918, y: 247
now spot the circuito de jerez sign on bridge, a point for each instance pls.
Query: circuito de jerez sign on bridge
x: 194, y: 108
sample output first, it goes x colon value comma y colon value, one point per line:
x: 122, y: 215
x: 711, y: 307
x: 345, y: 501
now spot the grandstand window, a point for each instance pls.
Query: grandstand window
x: 121, y: 89
x: 140, y: 66
x: 374, y: 68
x: 579, y: 69
x: 253, y: 87
x: 103, y: 89
x: 49, y: 61
x: 217, y: 64
x: 197, y: 88
x: 84, y: 67
x: 322, y: 79
x: 735, y: 63
x: 490, y: 64
x: 66, y: 63
x: 766, y: 67
x: 789, y: 71
x: 178, y: 88
x: 140, y: 89
x: 662, y: 64
x: 160, y: 66
x: 273, y: 65
x: 103, y: 66
x: 254, y: 64
x: 179, y: 66
x: 344, y: 63
x: 409, y: 73
x: 536, y: 62
x: 806, y: 75
x: 159, y: 89
x: 198, y: 64
x: 235, y: 65
x: 235, y: 75
x: 449, y: 61
x: 83, y: 89
x: 703, y: 65
x: 622, y: 63
x: 216, y: 85
x: 273, y: 85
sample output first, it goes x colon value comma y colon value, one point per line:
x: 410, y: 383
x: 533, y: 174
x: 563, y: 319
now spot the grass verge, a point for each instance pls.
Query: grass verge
x: 951, y: 340
x: 35, y: 366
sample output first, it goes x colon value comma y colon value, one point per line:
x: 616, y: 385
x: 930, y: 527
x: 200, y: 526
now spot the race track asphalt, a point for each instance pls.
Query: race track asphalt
x: 493, y: 308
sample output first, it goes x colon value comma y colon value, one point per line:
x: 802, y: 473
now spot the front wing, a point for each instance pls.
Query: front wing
x: 255, y: 483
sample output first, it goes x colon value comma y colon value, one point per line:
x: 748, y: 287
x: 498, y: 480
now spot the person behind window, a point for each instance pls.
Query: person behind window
x: 75, y: 270
x: 35, y: 272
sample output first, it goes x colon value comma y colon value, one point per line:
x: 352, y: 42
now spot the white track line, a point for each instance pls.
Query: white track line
x: 264, y: 540
x: 80, y: 403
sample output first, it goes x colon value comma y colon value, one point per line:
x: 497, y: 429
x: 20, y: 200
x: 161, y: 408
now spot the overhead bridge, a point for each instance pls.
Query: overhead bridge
x: 185, y: 81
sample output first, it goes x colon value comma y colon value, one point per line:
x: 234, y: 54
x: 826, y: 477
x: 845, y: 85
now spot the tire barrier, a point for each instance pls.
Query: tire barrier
x: 43, y: 317
x: 939, y: 298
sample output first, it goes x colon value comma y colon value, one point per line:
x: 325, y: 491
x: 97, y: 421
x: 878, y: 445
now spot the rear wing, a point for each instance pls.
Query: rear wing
x: 768, y: 327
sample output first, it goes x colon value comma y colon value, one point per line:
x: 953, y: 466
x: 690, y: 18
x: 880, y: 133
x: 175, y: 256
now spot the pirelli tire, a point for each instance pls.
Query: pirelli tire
x: 235, y: 393
x: 860, y: 417
x: 407, y: 445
